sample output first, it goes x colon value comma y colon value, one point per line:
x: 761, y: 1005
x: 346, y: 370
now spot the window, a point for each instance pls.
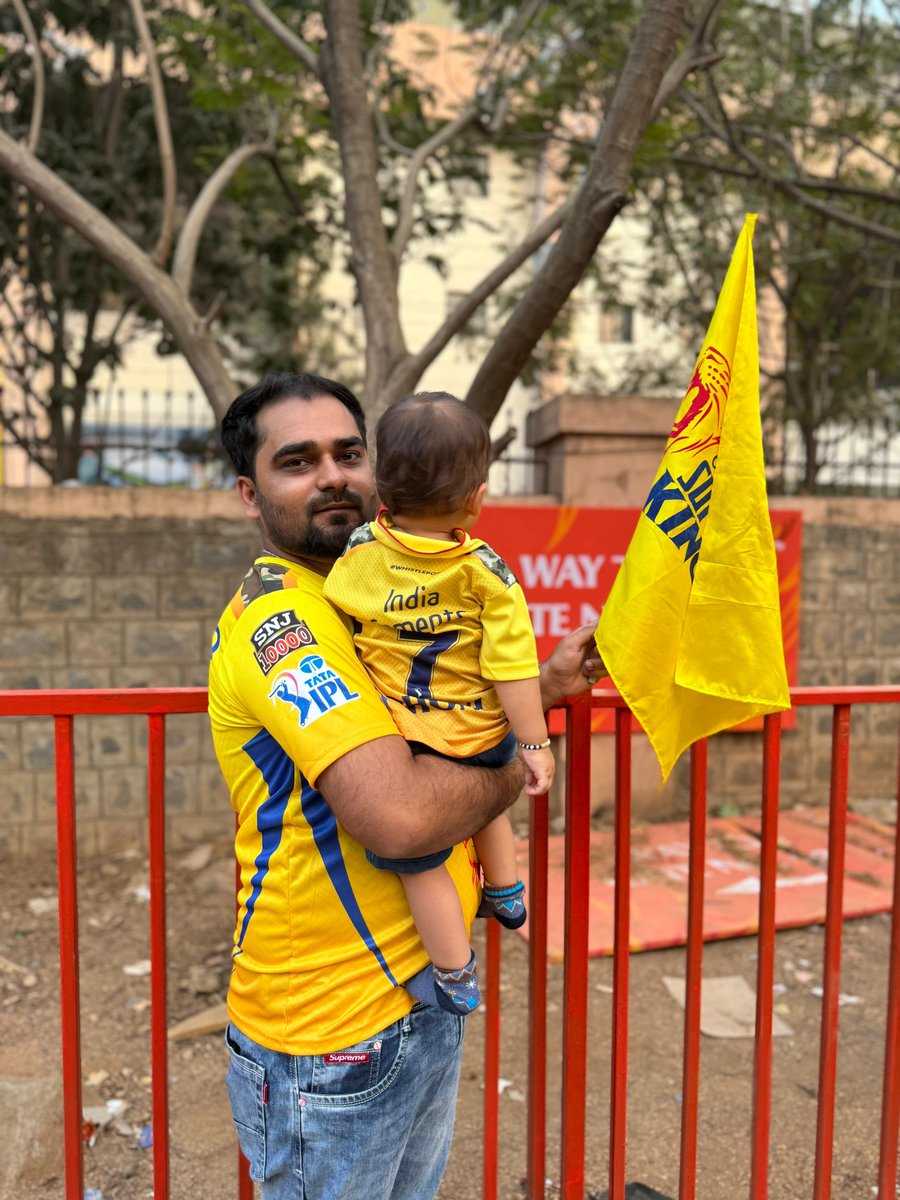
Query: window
x: 617, y: 323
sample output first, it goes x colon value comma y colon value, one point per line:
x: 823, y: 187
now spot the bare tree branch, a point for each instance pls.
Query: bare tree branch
x: 40, y: 85
x: 894, y: 167
x: 285, y: 36
x: 31, y: 446
x: 503, y: 442
x: 373, y: 264
x: 163, y: 133
x: 696, y: 53
x: 214, y: 309
x: 387, y: 137
x: 778, y: 140
x: 115, y: 105
x: 788, y: 187
x: 14, y: 361
x: 600, y: 197
x: 90, y: 354
x: 505, y: 44
x: 813, y: 183
x: 428, y: 148
x: 376, y: 51
x: 195, y: 222
x: 154, y: 285
x: 673, y: 246
x: 126, y: 313
x: 416, y: 366
x: 482, y: 99
x: 286, y: 186
x: 19, y: 324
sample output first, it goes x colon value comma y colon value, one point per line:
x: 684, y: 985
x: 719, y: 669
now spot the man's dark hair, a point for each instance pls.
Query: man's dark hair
x: 432, y: 451
x: 240, y: 434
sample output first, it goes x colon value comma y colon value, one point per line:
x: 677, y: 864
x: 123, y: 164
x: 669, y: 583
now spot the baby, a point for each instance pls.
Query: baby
x: 442, y: 627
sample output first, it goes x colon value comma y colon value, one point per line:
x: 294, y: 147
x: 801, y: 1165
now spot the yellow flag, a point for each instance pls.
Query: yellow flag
x: 691, y: 632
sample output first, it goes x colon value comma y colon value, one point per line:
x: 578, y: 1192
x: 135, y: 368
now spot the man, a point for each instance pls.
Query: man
x: 341, y: 1085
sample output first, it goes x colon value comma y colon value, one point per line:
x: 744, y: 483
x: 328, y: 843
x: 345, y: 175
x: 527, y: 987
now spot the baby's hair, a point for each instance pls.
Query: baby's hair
x: 432, y: 451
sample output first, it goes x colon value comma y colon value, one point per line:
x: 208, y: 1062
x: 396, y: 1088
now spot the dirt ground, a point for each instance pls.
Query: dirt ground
x: 116, y: 1053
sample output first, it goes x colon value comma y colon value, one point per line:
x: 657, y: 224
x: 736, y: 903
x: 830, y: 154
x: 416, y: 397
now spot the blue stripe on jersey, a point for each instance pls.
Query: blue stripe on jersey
x: 277, y: 771
x: 325, y: 834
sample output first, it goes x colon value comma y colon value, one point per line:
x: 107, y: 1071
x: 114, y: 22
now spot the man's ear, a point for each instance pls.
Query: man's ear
x: 475, y: 499
x: 246, y: 490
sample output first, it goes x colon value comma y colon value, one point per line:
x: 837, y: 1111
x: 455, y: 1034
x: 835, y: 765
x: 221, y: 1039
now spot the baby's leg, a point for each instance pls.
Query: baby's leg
x: 496, y: 848
x: 436, y: 910
x: 504, y: 892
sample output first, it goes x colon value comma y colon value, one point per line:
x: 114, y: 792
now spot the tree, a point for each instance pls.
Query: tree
x: 64, y: 309
x: 596, y: 87
x: 802, y: 128
x: 331, y: 61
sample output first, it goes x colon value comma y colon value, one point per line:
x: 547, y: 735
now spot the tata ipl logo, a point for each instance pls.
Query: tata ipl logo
x: 313, y: 689
x: 699, y: 424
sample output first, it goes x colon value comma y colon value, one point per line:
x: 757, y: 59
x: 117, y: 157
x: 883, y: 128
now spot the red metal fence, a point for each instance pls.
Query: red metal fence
x: 157, y: 704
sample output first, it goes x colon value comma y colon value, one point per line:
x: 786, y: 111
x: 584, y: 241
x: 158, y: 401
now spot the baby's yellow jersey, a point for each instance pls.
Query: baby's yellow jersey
x: 322, y: 939
x: 435, y: 623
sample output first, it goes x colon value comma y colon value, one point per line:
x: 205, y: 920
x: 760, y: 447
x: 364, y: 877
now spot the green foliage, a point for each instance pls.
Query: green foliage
x: 788, y: 95
x: 99, y: 135
x: 805, y: 98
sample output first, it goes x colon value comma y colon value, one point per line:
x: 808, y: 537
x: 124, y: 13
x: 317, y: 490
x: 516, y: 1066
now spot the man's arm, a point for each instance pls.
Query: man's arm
x: 403, y: 806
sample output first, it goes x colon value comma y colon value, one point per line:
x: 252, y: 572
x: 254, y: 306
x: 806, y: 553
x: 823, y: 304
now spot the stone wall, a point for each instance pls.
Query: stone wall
x: 107, y: 588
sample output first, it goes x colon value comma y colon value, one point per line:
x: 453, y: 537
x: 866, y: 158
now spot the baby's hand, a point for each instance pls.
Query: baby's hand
x: 539, y: 768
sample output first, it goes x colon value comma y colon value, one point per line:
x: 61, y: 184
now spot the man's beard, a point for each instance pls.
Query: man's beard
x: 298, y: 535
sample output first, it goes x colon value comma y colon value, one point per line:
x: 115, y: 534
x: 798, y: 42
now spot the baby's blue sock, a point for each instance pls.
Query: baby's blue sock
x: 507, y: 904
x: 457, y: 991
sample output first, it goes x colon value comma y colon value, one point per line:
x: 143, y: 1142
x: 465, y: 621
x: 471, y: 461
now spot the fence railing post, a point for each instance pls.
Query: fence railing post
x: 156, y: 817
x: 890, y: 1093
x: 765, y: 972
x: 66, y: 862
x: 831, y: 974
x: 577, y: 838
x: 618, y: 1108
x: 690, y: 1087
x: 538, y: 866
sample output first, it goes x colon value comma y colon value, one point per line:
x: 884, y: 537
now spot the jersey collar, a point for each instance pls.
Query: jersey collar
x: 388, y: 534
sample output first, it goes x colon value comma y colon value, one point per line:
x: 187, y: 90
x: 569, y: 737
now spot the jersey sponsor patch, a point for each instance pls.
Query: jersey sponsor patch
x: 312, y: 688
x: 277, y: 637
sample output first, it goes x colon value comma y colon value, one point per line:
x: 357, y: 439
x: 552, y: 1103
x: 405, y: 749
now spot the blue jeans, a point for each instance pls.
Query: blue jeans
x: 372, y: 1121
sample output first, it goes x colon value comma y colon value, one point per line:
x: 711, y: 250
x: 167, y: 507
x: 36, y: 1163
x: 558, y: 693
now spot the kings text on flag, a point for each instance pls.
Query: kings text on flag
x: 678, y: 507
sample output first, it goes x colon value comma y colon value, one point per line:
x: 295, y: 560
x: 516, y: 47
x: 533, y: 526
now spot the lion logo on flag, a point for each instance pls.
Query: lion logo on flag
x: 698, y: 426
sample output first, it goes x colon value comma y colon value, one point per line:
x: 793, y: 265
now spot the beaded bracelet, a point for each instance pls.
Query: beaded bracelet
x: 534, y: 745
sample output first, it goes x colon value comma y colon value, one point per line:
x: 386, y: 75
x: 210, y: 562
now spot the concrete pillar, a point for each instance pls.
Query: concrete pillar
x: 599, y: 450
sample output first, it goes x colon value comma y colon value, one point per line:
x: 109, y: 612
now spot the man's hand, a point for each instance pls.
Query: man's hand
x: 574, y: 666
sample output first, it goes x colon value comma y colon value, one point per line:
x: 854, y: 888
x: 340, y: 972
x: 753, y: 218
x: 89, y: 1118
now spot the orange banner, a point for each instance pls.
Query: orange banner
x: 566, y: 559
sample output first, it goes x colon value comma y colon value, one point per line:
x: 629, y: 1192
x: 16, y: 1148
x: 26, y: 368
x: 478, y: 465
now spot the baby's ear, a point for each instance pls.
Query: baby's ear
x: 475, y: 499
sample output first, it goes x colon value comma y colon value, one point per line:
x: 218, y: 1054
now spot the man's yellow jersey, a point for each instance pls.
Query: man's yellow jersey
x: 323, y: 939
x: 436, y: 623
